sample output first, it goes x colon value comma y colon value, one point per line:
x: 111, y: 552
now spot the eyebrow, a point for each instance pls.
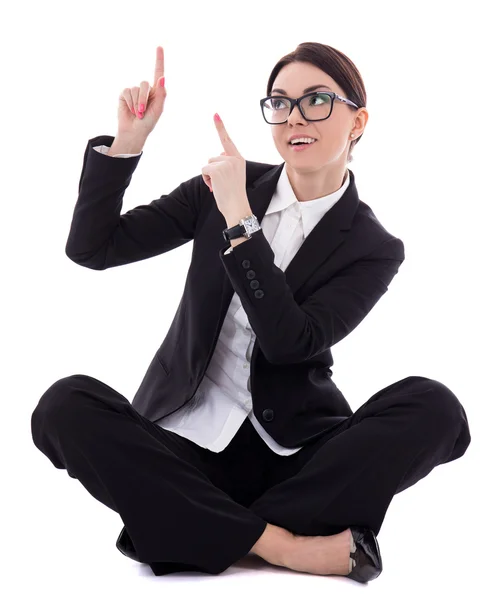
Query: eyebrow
x: 305, y: 91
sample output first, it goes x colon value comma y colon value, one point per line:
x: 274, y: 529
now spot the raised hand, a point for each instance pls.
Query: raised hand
x: 130, y: 121
x: 225, y: 175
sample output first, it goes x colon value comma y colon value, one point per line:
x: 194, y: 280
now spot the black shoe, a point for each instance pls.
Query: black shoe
x: 125, y: 545
x: 367, y: 557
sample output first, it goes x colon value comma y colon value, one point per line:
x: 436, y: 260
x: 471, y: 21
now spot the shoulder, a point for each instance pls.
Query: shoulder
x: 370, y: 229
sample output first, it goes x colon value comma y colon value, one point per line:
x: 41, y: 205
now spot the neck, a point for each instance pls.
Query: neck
x: 316, y: 183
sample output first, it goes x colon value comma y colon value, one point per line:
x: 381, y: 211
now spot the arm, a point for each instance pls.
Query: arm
x: 100, y: 237
x: 291, y: 333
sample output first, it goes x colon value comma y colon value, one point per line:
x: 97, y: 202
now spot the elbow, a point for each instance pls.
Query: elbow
x: 85, y: 260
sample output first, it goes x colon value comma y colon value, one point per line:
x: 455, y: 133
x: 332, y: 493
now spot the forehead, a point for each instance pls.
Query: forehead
x: 299, y: 78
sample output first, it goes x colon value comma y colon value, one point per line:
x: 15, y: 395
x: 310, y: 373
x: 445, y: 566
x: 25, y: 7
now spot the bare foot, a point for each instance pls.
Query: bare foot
x: 320, y: 555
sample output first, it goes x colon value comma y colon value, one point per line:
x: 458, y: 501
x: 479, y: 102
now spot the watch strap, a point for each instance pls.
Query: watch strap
x: 245, y: 228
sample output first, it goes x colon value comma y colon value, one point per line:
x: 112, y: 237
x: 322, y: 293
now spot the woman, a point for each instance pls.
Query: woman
x: 201, y: 471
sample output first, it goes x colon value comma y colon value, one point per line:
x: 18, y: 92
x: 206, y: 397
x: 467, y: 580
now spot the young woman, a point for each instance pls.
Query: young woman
x: 237, y: 439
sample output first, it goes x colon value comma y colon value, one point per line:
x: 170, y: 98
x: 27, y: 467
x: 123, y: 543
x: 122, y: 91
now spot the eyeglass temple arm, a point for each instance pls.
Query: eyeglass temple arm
x: 346, y: 100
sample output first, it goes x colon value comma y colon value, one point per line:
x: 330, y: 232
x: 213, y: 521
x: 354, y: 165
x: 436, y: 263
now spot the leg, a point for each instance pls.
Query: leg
x: 274, y: 545
x: 350, y: 476
x: 153, y: 478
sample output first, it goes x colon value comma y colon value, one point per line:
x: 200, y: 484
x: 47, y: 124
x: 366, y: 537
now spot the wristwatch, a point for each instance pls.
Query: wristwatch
x: 246, y: 227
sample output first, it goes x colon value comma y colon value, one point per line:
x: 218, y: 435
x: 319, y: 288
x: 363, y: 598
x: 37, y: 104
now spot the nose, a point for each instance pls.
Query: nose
x: 296, y: 112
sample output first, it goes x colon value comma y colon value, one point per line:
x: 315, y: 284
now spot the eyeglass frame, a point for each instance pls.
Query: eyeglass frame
x: 296, y: 101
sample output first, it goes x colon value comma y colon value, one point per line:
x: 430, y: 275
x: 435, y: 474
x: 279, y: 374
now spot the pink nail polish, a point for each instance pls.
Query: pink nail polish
x: 217, y: 117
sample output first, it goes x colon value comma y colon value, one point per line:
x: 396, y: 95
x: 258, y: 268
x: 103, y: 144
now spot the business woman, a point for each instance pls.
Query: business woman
x: 238, y: 441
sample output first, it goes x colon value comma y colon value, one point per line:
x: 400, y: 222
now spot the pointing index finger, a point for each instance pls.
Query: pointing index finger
x: 159, y: 69
x: 227, y: 143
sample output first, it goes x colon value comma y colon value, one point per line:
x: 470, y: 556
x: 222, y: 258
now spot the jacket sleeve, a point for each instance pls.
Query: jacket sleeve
x: 291, y: 333
x: 101, y: 237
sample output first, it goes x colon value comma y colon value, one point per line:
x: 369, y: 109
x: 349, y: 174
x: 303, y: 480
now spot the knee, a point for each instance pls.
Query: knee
x: 56, y: 399
x: 439, y: 403
x: 450, y: 411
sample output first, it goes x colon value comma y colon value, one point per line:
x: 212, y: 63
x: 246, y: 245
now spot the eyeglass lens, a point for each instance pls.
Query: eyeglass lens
x: 318, y: 106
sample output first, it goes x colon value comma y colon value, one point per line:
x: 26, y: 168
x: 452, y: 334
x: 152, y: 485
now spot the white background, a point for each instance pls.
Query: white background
x: 426, y: 165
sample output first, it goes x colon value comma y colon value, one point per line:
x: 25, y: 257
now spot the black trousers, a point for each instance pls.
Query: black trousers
x: 185, y: 508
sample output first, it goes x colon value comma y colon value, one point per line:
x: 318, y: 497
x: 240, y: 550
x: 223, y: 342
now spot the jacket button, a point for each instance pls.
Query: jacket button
x: 254, y: 284
x: 268, y: 414
x: 259, y: 294
x: 246, y: 264
x: 250, y: 274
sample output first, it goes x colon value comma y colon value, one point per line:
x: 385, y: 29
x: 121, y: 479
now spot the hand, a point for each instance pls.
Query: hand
x: 153, y: 99
x: 225, y: 175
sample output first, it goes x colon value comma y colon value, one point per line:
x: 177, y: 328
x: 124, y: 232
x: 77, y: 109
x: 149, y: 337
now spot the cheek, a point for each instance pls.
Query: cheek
x: 334, y: 137
x: 333, y: 132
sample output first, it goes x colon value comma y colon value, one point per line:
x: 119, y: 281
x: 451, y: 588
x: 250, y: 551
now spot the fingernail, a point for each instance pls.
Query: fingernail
x: 141, y: 108
x: 217, y: 117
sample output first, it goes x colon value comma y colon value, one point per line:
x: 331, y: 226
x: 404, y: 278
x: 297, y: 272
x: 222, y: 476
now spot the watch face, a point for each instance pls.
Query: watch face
x: 251, y: 225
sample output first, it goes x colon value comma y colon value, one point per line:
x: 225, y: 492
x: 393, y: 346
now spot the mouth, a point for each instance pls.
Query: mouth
x: 300, y: 146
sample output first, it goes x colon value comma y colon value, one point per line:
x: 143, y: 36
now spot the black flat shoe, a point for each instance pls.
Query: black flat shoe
x: 125, y: 545
x: 368, y: 564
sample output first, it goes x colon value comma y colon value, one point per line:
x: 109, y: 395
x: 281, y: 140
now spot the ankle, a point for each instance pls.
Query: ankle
x: 274, y: 544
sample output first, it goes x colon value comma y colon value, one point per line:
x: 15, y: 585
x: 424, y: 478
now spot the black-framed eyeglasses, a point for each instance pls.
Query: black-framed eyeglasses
x: 317, y: 106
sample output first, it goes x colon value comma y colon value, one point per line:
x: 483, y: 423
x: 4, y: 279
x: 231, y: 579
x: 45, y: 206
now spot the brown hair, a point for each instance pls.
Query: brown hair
x: 333, y: 62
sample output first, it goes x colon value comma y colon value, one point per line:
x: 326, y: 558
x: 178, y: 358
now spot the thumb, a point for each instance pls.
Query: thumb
x: 160, y: 85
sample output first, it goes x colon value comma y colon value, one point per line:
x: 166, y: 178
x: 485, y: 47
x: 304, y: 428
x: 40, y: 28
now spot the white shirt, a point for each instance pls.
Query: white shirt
x: 223, y: 399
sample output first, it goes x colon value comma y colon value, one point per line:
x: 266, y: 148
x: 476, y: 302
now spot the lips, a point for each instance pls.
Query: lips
x: 296, y: 137
x: 300, y: 147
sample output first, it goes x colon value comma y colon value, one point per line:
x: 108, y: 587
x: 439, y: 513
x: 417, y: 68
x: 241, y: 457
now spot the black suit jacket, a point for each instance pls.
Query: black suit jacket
x: 339, y: 273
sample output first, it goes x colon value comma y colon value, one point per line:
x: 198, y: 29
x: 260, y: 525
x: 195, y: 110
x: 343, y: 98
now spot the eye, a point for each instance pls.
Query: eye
x: 275, y: 102
x: 318, y: 99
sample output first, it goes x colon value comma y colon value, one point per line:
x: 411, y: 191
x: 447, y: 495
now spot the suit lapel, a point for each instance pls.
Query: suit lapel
x: 324, y: 238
